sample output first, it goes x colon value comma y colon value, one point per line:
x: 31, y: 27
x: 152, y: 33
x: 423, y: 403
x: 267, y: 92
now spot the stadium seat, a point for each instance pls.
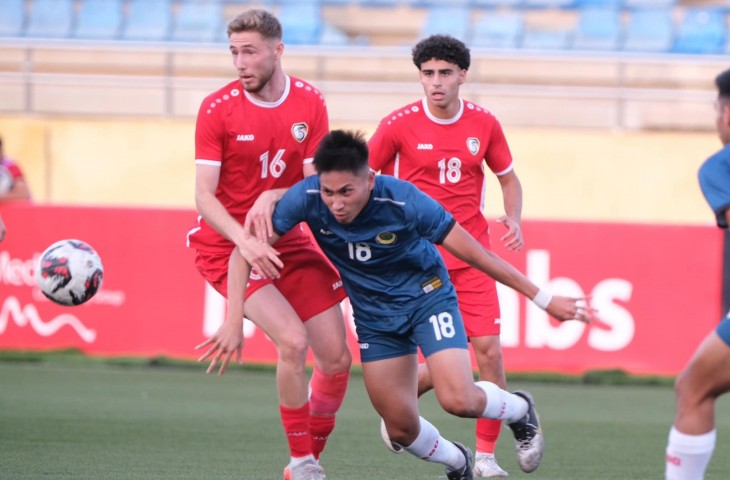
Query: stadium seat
x: 581, y: 4
x: 454, y: 21
x: 488, y: 4
x: 641, y: 4
x: 197, y: 22
x: 649, y: 30
x: 100, y: 19
x: 12, y: 18
x: 498, y: 29
x: 302, y: 23
x: 701, y: 30
x: 331, y: 35
x: 148, y: 20
x: 50, y: 19
x: 543, y: 39
x: 536, y: 4
x: 598, y: 29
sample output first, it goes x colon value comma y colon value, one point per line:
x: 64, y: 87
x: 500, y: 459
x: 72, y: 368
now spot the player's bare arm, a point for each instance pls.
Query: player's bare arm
x: 462, y: 245
x: 512, y: 219
x: 258, y: 218
x: 210, y: 208
x: 228, y: 340
x: 262, y: 257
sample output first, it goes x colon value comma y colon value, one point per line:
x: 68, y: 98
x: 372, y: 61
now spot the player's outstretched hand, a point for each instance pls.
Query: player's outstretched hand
x: 567, y: 308
x: 512, y: 240
x: 226, y: 342
x: 262, y: 257
x: 258, y: 219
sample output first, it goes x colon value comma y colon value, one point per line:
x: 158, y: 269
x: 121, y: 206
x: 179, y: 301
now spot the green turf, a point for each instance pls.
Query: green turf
x: 95, y: 421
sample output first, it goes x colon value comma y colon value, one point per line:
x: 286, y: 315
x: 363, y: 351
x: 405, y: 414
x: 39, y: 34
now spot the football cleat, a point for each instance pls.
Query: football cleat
x: 528, y: 436
x: 392, y: 446
x: 465, y: 472
x: 485, y: 466
x: 308, y: 470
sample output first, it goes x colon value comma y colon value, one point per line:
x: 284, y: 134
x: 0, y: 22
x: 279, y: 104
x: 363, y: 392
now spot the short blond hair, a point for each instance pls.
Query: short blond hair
x: 256, y: 20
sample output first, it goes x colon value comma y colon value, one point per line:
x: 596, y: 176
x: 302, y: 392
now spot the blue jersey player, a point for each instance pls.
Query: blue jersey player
x: 707, y: 375
x: 379, y: 232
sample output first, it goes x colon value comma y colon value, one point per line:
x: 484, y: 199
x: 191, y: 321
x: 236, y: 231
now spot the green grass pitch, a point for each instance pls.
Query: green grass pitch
x: 93, y: 421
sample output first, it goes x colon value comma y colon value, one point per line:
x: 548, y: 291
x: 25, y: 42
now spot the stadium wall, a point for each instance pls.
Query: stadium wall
x: 587, y: 175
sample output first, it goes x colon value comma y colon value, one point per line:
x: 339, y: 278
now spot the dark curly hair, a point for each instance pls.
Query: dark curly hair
x: 441, y: 47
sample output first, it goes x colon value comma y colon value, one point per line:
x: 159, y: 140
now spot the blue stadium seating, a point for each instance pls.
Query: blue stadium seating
x: 649, y: 30
x: 12, y: 17
x: 543, y: 39
x: 598, y: 29
x: 148, y: 20
x: 98, y: 19
x: 454, y: 21
x: 615, y: 4
x: 701, y: 30
x: 643, y: 4
x: 487, y: 4
x: 498, y: 29
x: 197, y: 22
x: 535, y: 4
x: 50, y: 18
x: 302, y: 23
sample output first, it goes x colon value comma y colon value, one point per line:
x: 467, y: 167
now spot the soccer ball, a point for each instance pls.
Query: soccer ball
x: 69, y: 272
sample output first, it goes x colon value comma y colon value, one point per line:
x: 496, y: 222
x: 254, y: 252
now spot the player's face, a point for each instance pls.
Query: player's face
x: 346, y: 193
x: 255, y: 58
x: 441, y: 81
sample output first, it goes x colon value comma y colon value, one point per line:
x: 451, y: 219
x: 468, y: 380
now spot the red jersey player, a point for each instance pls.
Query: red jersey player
x: 18, y: 187
x: 441, y: 143
x: 255, y: 138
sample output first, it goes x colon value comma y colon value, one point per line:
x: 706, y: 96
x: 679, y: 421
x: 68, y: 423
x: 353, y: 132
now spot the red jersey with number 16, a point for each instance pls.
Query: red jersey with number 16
x: 257, y: 145
x: 445, y: 159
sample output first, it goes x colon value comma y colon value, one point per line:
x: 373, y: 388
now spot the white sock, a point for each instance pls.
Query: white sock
x: 296, y: 461
x: 502, y: 405
x: 432, y: 447
x: 688, y: 455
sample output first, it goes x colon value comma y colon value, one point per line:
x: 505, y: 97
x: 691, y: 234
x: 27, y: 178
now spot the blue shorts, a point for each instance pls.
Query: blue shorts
x: 723, y: 330
x: 433, y: 326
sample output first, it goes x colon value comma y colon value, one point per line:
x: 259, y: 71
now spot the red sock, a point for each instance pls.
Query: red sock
x: 320, y: 427
x: 487, y: 433
x: 296, y: 427
x: 328, y: 392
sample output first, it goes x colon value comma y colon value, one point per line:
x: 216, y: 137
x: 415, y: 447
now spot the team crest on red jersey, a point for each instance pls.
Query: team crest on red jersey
x: 472, y: 144
x: 299, y: 131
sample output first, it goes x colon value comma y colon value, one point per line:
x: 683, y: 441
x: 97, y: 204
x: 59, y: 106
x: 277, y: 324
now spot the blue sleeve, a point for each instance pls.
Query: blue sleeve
x: 714, y: 177
x: 433, y: 221
x: 290, y: 210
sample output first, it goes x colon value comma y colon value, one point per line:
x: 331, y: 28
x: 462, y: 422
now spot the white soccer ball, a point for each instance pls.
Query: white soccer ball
x: 6, y: 179
x: 69, y: 272
x: 392, y: 446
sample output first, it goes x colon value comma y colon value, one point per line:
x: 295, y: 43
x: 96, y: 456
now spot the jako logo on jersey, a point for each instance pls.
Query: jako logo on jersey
x: 336, y: 285
x: 324, y: 232
x: 424, y: 146
x: 473, y: 145
x: 245, y: 138
x: 364, y: 346
x: 386, y: 238
x: 299, y: 131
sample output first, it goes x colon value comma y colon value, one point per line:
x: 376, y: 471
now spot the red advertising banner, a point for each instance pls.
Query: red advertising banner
x: 657, y: 289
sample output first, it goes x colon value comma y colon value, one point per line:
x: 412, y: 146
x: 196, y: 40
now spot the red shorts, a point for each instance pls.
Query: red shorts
x: 308, y: 281
x: 478, y: 301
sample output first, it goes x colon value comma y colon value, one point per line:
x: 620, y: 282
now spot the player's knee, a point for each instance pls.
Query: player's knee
x: 293, y: 348
x: 459, y: 405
